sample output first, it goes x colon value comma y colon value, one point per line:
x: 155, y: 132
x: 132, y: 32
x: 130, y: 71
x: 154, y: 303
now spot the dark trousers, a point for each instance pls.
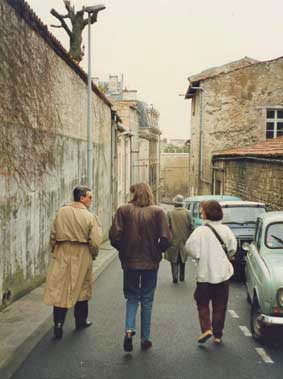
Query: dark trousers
x: 176, y: 267
x: 218, y: 295
x: 80, y: 313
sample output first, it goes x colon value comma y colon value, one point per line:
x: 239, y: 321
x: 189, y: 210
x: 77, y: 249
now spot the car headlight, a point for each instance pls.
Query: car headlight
x: 245, y: 246
x: 280, y: 297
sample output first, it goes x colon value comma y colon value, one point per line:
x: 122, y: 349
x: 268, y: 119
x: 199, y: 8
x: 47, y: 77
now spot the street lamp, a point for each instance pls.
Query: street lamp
x: 92, y: 17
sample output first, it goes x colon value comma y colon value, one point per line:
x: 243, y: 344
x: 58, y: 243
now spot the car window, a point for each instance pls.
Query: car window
x: 196, y: 210
x: 241, y: 215
x: 274, y: 236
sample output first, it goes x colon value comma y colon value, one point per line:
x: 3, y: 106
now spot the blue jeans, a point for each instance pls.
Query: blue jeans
x: 139, y: 286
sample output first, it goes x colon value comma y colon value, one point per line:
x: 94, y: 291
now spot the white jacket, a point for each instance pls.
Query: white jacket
x: 202, y: 245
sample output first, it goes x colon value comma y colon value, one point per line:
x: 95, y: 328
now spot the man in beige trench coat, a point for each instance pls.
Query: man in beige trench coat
x: 75, y: 238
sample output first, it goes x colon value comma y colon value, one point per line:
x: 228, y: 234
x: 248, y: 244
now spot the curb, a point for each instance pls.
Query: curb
x: 14, y: 321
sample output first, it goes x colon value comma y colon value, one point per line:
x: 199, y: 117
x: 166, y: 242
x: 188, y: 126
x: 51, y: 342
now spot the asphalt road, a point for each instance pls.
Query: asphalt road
x: 97, y: 352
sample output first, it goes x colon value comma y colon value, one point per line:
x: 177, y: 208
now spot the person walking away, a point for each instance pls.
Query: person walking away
x: 212, y: 245
x: 140, y: 233
x: 75, y: 238
x: 180, y: 224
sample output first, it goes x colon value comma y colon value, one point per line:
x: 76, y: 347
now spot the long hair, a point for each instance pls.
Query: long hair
x: 142, y: 195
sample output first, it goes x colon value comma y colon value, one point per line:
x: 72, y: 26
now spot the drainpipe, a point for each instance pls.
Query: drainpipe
x: 131, y: 159
x: 113, y: 163
x: 201, y: 127
x: 127, y: 134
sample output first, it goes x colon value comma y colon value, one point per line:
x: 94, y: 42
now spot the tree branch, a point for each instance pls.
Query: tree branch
x: 71, y: 10
x: 56, y: 26
x: 61, y: 19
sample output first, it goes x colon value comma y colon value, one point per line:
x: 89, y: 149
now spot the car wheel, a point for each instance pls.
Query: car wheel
x: 256, y: 324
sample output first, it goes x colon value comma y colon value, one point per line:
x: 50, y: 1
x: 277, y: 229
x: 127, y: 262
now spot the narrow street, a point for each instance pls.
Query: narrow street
x: 98, y: 353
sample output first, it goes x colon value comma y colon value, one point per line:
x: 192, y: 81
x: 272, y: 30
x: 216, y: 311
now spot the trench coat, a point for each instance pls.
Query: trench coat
x: 75, y: 238
x: 180, y: 223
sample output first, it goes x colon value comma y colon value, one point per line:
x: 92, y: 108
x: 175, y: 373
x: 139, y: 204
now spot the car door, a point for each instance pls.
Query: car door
x: 252, y: 264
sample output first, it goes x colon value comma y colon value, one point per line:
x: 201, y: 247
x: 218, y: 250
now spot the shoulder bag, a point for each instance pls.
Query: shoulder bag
x: 224, y: 247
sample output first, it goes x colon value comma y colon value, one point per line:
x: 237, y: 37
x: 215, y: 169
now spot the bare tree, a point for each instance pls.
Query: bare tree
x: 78, y: 24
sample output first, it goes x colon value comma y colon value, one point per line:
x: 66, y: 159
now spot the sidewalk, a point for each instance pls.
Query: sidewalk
x: 25, y: 322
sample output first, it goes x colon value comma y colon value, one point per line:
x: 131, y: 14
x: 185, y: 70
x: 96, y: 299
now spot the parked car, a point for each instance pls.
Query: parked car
x: 193, y: 205
x: 264, y: 274
x: 241, y: 217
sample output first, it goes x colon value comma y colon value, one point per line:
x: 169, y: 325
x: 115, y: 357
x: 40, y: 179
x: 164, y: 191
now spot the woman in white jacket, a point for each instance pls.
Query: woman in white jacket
x: 214, y: 269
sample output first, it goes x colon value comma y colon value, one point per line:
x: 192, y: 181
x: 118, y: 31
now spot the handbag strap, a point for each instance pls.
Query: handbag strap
x: 224, y: 247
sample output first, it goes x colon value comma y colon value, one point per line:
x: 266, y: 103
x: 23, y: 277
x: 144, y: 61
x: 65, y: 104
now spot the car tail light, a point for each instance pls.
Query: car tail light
x: 280, y: 297
x: 277, y: 311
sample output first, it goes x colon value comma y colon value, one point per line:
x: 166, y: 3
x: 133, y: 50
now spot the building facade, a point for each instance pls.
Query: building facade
x: 174, y: 175
x: 141, y: 154
x: 234, y: 105
x: 252, y: 173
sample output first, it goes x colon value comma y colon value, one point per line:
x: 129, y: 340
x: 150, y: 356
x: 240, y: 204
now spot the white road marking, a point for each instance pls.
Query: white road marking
x: 245, y: 331
x: 233, y: 314
x: 263, y: 354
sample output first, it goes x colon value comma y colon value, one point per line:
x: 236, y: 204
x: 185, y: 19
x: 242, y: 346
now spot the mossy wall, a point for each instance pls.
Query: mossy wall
x: 43, y: 148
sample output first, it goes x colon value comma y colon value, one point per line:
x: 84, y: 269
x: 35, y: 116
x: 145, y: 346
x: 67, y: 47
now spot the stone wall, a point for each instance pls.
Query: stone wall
x: 255, y: 180
x: 174, y: 175
x: 43, y: 125
x: 234, y: 114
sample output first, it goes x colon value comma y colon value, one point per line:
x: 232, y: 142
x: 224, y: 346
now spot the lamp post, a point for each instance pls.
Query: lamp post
x: 92, y: 17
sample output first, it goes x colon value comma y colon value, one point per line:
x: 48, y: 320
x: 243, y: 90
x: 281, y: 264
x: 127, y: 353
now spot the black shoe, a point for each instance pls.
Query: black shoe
x: 58, y: 331
x: 128, y: 342
x: 182, y: 278
x: 83, y: 325
x: 146, y: 344
x: 175, y: 280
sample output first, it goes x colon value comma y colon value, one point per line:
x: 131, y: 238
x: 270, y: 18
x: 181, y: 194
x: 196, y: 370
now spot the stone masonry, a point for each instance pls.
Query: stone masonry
x: 252, y: 173
x: 43, y: 134
x: 234, y: 112
x: 254, y: 180
x: 174, y: 175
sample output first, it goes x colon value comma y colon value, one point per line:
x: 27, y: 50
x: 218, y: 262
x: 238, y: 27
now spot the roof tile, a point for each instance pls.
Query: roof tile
x: 271, y: 147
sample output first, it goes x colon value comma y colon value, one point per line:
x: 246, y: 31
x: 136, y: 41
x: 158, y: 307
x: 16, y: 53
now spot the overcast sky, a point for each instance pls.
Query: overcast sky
x: 157, y: 44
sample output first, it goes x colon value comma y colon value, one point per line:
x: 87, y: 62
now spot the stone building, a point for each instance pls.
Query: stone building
x: 174, y: 175
x: 252, y: 173
x: 140, y: 123
x: 234, y: 105
x: 149, y: 147
x: 43, y: 144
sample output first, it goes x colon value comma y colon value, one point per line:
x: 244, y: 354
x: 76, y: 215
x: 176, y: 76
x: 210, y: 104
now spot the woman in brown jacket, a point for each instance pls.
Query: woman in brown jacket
x: 140, y: 233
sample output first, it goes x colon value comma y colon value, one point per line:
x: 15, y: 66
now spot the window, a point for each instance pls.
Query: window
x: 274, y: 123
x: 273, y: 238
x: 196, y: 210
x: 218, y: 186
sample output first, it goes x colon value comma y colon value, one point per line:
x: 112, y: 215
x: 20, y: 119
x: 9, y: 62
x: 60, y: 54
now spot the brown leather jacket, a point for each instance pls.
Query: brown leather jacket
x: 140, y: 234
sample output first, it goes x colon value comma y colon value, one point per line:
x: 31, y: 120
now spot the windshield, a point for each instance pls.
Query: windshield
x: 274, y: 236
x: 241, y: 215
